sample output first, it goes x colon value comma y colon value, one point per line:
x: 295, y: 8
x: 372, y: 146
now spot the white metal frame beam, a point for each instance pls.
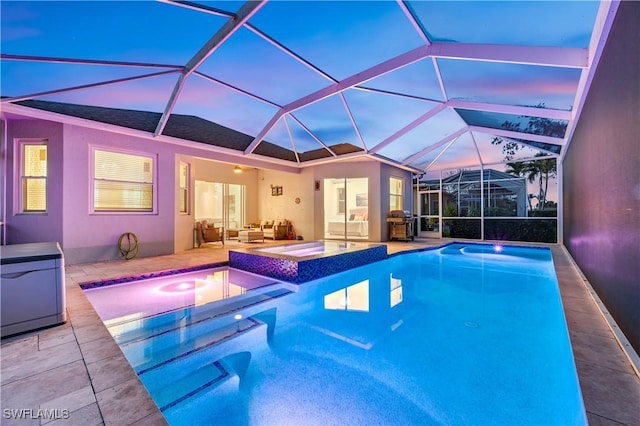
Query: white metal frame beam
x: 602, y: 27
x: 518, y: 135
x: 84, y: 86
x: 236, y: 89
x: 247, y: 10
x: 59, y: 60
x: 409, y: 127
x: 415, y: 21
x: 547, y: 56
x: 198, y: 7
x: 441, y: 142
x: 554, y: 114
x: 289, y: 52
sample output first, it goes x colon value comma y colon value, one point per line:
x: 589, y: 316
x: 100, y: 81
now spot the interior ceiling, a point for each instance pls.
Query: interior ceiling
x: 423, y: 85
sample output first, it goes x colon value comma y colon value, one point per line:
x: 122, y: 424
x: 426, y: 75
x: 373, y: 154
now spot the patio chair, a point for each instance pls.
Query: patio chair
x: 209, y: 234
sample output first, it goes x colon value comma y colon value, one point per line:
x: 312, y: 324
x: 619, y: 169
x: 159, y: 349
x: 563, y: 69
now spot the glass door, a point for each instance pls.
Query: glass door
x: 233, y: 209
x: 346, y: 208
x: 429, y: 221
x: 220, y: 204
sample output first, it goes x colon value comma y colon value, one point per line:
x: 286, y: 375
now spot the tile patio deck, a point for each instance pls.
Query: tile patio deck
x: 78, y: 367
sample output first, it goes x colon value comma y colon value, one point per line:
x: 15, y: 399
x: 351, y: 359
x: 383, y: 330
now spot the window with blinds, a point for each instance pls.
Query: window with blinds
x: 184, y: 188
x: 123, y: 182
x: 34, y: 177
x: 395, y: 196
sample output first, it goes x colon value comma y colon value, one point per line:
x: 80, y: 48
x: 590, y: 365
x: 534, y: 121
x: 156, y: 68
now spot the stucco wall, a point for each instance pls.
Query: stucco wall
x: 90, y: 237
x: 378, y: 175
x: 294, y: 185
x: 602, y: 177
x: 207, y: 170
x: 35, y: 227
x: 387, y: 172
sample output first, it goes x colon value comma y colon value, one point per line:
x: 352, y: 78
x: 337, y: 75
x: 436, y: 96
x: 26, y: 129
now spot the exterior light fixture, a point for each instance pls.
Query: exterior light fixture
x: 237, y: 169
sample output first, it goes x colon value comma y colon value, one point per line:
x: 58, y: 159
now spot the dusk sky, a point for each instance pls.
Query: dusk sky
x: 338, y: 40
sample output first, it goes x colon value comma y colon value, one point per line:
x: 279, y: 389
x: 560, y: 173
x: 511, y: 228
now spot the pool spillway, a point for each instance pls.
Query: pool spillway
x: 302, y: 262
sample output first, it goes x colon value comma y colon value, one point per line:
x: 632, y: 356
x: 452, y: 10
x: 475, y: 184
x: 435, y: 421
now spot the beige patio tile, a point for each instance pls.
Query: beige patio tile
x: 99, y: 349
x: 71, y: 401
x: 90, y: 332
x: 39, y: 361
x: 609, y: 393
x: 155, y: 419
x: 88, y: 415
x: 45, y: 386
x: 55, y: 336
x: 110, y: 372
x: 18, y: 346
x: 125, y: 403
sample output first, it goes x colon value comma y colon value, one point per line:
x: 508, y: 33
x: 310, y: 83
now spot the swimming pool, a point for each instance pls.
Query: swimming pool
x: 464, y: 334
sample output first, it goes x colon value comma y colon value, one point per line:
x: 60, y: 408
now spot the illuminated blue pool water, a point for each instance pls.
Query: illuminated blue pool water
x: 465, y: 334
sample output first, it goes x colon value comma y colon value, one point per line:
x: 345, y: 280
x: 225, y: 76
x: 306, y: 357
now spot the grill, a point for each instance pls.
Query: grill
x: 400, y: 225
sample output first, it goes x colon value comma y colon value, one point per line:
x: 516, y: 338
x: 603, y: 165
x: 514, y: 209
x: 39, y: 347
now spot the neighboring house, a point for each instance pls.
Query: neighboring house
x: 506, y: 194
x: 84, y: 175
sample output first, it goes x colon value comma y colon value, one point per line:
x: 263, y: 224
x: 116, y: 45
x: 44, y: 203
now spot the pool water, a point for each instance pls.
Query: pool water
x: 464, y: 334
x: 312, y: 248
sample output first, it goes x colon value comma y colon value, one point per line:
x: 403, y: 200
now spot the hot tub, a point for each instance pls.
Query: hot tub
x: 302, y: 262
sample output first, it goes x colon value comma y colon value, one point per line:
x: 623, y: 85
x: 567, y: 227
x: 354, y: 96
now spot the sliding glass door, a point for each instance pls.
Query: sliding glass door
x: 346, y: 208
x: 222, y: 204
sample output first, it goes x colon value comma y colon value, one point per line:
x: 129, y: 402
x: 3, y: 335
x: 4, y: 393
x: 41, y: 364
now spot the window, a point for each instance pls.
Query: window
x: 395, y: 191
x: 123, y: 182
x: 184, y: 188
x: 33, y: 172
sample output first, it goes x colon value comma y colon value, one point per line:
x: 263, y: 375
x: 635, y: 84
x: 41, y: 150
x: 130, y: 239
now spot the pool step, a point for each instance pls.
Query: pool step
x: 451, y: 250
x: 188, y: 408
x: 135, y: 330
x: 212, y: 377
x: 215, y: 343
x: 194, y: 374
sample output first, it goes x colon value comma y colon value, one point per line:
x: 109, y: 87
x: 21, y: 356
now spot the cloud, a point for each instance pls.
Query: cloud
x: 12, y: 33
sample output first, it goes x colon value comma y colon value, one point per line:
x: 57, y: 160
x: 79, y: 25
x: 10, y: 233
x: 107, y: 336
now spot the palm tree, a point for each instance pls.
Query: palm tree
x: 543, y: 170
x: 520, y: 169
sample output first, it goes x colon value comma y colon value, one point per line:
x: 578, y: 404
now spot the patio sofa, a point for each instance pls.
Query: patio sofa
x: 277, y: 229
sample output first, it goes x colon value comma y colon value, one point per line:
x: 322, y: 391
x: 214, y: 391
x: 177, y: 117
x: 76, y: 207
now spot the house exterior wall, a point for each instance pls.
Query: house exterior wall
x: 90, y: 237
x: 203, y: 169
x: 387, y: 172
x: 34, y: 227
x: 294, y: 185
x: 378, y: 175
x: 601, y: 181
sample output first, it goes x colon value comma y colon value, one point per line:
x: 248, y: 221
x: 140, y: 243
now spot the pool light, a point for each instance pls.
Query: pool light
x: 497, y: 248
x: 237, y: 317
